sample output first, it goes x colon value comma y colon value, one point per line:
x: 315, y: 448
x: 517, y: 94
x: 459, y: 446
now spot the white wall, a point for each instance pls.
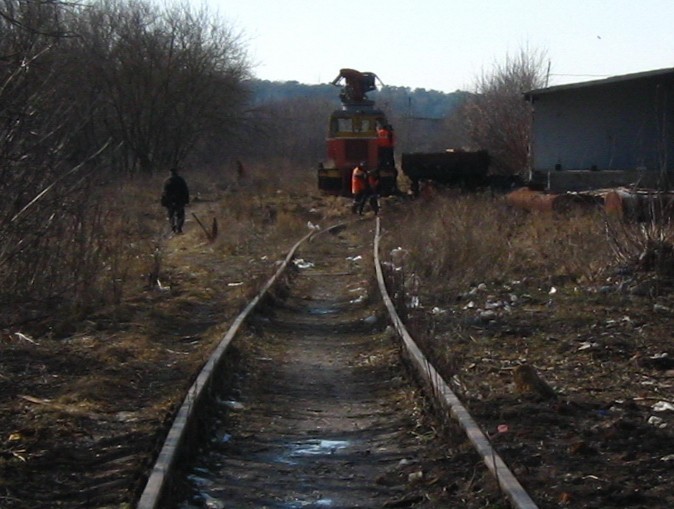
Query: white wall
x: 610, y: 126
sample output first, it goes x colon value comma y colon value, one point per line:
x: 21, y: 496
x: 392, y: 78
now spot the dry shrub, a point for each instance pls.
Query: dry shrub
x: 247, y: 217
x: 273, y: 175
x: 87, y: 254
x: 569, y: 245
x: 457, y: 241
x: 647, y: 246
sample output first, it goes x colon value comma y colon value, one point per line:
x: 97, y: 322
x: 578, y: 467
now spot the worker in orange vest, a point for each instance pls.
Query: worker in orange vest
x: 359, y: 186
x: 385, y: 145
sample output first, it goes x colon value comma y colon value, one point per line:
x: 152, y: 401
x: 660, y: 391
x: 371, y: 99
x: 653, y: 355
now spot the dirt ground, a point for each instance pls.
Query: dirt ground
x: 573, y: 383
x: 82, y: 414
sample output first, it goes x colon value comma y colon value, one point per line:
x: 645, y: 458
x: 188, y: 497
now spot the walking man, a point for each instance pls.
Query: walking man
x: 174, y: 197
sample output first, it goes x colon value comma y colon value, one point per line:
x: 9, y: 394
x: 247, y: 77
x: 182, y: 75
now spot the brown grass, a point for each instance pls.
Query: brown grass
x: 458, y: 241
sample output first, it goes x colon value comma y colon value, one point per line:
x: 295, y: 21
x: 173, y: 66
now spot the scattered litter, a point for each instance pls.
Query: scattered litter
x: 488, y: 314
x: 663, y: 406
x: 354, y: 258
x: 415, y: 476
x: 657, y: 422
x: 669, y: 457
x: 437, y: 311
x: 17, y: 455
x: 22, y: 336
x: 175, y: 352
x: 370, y: 320
x: 212, y: 502
x: 302, y: 264
x: 127, y: 416
x: 660, y: 308
x: 552, y: 291
x: 232, y: 405
x: 312, y: 226
x: 224, y: 438
x: 502, y: 428
x: 163, y: 288
x: 587, y: 345
x: 238, y: 283
x: 398, y: 252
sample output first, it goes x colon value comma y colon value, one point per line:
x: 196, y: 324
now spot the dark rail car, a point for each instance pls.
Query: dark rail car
x: 467, y: 170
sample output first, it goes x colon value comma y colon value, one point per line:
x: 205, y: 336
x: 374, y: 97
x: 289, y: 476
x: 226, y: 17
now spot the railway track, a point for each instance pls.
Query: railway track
x: 311, y: 406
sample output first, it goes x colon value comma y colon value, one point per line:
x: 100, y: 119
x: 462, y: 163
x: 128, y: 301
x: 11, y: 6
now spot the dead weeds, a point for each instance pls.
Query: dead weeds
x: 596, y: 332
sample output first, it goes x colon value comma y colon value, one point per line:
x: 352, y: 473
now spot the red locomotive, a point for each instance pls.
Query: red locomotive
x: 355, y: 136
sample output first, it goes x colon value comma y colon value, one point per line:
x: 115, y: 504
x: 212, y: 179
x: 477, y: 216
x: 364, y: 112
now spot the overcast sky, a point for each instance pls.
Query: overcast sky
x: 446, y: 44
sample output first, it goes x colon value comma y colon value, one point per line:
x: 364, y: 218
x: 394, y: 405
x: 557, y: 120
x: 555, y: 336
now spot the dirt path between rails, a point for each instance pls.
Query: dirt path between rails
x: 322, y: 415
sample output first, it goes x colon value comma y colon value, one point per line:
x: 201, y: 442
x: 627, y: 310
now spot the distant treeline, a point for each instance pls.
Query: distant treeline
x: 398, y: 101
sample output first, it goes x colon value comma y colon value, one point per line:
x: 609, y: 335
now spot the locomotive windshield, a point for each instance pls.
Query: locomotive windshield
x: 359, y: 125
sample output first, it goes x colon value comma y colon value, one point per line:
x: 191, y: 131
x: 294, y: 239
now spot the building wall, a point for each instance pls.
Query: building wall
x: 614, y: 126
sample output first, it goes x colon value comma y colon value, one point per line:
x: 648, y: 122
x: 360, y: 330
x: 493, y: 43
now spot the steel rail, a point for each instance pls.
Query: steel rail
x: 162, y: 470
x: 446, y: 397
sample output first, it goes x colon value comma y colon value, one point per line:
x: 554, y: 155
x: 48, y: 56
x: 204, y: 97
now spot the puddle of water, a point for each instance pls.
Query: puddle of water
x: 314, y: 447
x: 299, y: 504
x: 203, y: 500
x: 199, y: 482
x: 205, y: 487
x: 323, y: 311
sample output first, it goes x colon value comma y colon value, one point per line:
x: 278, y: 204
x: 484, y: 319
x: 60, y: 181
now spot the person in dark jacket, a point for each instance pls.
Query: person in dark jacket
x: 174, y: 197
x: 373, y: 190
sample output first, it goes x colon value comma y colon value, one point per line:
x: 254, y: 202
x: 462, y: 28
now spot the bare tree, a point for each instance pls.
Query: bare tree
x: 42, y: 218
x: 497, y: 117
x: 89, y: 90
x: 294, y: 129
x: 168, y: 76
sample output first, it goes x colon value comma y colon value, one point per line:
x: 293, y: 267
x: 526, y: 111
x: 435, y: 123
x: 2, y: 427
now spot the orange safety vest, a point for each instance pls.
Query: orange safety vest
x: 373, y: 180
x: 358, y: 180
x: 384, y: 138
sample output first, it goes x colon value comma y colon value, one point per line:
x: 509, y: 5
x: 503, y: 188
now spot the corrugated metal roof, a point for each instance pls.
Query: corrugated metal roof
x: 532, y: 94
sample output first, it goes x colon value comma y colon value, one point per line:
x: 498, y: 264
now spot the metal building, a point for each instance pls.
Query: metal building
x: 604, y: 133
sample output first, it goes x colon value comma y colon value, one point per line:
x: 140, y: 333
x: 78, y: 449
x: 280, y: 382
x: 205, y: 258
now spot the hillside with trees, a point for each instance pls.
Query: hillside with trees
x: 297, y: 116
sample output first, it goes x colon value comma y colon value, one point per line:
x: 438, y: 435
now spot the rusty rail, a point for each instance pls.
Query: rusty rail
x: 446, y: 397
x: 162, y: 471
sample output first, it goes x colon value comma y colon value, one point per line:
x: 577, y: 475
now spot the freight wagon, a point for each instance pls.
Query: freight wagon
x: 467, y: 170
